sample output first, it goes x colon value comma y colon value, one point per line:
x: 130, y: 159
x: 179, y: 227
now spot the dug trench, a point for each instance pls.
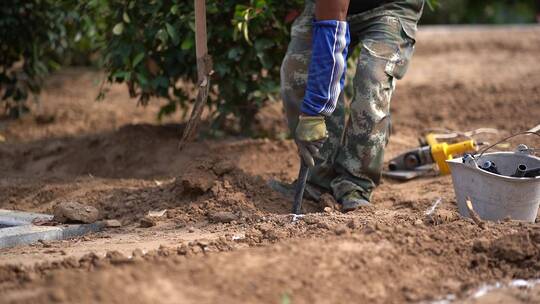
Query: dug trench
x: 227, y: 237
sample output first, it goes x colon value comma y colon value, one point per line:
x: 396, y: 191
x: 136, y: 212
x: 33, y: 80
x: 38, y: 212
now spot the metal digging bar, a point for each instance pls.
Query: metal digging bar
x: 204, y: 70
x: 300, y: 187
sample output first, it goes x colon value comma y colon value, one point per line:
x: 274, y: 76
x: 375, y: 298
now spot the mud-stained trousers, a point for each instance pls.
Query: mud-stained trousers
x: 352, y: 157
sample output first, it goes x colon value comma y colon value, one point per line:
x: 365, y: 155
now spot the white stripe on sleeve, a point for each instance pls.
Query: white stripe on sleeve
x: 334, y: 87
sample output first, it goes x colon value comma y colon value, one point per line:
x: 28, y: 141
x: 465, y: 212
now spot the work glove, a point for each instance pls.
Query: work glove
x: 310, y: 136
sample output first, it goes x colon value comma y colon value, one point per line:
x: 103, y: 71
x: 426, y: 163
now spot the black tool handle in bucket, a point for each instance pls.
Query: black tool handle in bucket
x: 300, y: 187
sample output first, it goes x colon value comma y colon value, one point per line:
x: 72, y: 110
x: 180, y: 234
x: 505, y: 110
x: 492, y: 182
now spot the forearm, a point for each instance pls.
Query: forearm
x: 326, y: 75
x: 331, y: 9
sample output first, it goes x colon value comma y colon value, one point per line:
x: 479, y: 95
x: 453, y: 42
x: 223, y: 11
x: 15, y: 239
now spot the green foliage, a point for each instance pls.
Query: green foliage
x: 481, y: 12
x: 151, y: 48
x: 85, y: 27
x: 32, y: 37
x: 38, y: 36
x: 432, y: 4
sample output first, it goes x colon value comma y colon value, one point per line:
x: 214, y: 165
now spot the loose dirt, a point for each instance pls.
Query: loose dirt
x: 218, y: 233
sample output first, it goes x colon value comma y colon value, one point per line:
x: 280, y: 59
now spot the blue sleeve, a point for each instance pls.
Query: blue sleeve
x: 326, y: 73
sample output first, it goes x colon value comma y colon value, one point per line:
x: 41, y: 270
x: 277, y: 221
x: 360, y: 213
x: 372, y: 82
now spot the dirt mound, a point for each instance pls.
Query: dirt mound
x: 126, y: 152
x: 216, y: 231
x: 354, y: 253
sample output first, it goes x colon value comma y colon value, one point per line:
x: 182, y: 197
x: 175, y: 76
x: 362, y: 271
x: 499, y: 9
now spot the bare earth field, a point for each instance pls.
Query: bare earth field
x: 227, y: 238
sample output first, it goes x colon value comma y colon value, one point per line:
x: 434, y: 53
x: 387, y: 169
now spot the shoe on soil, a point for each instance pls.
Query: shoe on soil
x: 353, y: 201
x: 289, y: 190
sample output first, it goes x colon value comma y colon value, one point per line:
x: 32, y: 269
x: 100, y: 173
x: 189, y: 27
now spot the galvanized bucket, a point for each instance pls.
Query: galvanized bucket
x: 497, y: 196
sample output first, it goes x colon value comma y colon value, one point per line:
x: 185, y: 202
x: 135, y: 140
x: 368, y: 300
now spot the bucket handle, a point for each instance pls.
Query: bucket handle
x: 505, y: 139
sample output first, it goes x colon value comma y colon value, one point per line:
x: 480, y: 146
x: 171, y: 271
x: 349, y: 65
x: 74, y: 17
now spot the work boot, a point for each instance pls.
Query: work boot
x: 289, y: 190
x: 352, y: 201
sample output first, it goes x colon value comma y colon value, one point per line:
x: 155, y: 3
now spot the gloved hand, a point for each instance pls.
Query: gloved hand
x: 310, y: 136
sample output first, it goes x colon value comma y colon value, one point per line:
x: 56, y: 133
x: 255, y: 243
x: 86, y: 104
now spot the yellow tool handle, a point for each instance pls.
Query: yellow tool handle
x: 443, y: 152
x: 431, y: 139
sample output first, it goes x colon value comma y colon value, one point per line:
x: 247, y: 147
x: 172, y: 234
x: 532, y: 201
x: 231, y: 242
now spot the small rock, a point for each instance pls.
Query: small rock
x: 58, y: 295
x: 274, y: 235
x: 323, y: 225
x: 117, y: 258
x: 340, y: 229
x: 479, y: 260
x: 157, y: 213
x: 113, y: 224
x: 354, y: 224
x: 69, y: 212
x: 147, y: 222
x: 180, y: 223
x: 191, y: 229
x: 480, y: 245
x: 441, y: 216
x: 223, y: 167
x: 327, y: 209
x: 370, y: 228
x: 165, y: 251
x: 137, y: 253
x: 182, y: 249
x: 222, y: 217
x: 46, y: 244
x: 203, y: 243
x: 310, y: 220
x: 196, y: 182
x: 327, y: 200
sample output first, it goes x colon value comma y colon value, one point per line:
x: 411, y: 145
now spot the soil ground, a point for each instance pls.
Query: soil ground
x: 227, y: 237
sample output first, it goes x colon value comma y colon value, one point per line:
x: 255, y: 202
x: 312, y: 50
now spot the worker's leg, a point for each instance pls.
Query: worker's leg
x: 294, y: 72
x: 386, y: 49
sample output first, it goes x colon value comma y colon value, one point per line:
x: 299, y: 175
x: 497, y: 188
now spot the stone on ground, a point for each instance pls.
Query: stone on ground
x: 73, y: 212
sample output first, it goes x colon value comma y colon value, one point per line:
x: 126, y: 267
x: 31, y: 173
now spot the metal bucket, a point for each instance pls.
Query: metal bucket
x: 497, y: 196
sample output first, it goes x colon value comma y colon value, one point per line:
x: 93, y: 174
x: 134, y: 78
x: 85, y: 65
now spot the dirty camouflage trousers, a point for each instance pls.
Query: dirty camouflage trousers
x: 352, y: 157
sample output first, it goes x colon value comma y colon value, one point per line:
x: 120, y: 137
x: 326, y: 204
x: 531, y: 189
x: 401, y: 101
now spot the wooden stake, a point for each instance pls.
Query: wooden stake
x: 474, y: 216
x: 204, y: 70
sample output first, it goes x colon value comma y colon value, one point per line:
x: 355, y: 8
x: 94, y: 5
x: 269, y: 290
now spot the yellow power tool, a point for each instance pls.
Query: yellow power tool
x: 419, y: 161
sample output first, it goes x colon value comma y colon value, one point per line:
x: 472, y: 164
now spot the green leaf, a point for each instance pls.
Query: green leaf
x: 121, y: 76
x: 246, y: 33
x: 241, y: 86
x: 263, y: 44
x: 53, y: 64
x: 137, y: 59
x: 187, y: 44
x: 118, y: 28
x: 125, y: 17
x: 222, y: 69
x: 174, y: 9
x: 162, y: 35
x: 235, y: 53
x: 160, y: 81
x: 432, y: 4
x: 172, y: 33
x: 260, y: 4
x: 143, y: 81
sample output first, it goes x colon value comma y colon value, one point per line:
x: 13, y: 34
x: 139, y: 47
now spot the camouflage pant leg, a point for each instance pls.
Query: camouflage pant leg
x: 294, y: 71
x: 386, y: 50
